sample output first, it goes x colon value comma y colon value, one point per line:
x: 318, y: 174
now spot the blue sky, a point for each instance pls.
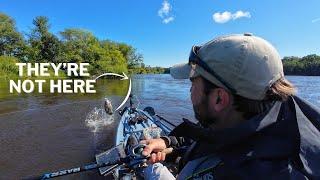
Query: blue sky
x: 164, y: 30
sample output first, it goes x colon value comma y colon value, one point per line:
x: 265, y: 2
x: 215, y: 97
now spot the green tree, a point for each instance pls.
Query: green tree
x: 8, y: 66
x: 307, y: 65
x: 114, y: 59
x: 79, y: 46
x: 74, y: 45
x: 11, y: 41
x: 44, y: 46
x: 82, y: 46
x: 133, y: 59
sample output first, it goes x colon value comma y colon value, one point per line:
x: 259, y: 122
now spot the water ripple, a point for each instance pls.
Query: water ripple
x: 97, y: 119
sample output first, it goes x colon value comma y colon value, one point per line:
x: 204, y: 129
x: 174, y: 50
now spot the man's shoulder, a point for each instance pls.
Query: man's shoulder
x: 259, y: 169
x: 216, y: 168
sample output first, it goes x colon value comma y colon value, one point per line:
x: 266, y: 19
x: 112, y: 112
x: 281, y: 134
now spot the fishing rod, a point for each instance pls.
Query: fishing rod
x: 160, y: 117
x: 76, y: 170
x: 151, y: 112
x: 133, y: 158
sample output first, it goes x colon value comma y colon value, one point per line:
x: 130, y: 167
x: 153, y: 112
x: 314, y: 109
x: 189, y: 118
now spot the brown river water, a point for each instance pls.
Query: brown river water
x: 48, y: 132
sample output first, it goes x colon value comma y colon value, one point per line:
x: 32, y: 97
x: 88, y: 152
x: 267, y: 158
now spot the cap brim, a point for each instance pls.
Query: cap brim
x: 184, y: 71
x: 180, y: 71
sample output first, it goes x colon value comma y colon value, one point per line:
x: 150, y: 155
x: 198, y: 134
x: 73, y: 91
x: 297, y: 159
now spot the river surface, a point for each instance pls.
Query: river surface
x: 47, y: 132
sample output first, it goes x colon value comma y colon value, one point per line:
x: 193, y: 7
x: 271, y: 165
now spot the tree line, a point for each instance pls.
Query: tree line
x: 70, y: 45
x: 304, y: 66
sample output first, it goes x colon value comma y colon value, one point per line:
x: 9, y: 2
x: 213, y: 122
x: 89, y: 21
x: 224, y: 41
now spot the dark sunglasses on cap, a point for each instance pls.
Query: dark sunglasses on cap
x: 195, y: 59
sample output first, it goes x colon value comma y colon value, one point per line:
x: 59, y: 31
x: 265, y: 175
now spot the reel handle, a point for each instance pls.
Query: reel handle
x: 137, y: 151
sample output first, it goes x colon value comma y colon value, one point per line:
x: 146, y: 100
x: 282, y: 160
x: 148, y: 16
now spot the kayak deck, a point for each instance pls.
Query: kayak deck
x: 136, y: 122
x: 134, y: 125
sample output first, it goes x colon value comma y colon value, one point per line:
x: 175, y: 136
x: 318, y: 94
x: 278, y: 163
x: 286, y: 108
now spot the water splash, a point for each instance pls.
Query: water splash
x: 97, y: 119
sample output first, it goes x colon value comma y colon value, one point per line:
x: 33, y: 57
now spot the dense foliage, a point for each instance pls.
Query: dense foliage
x: 11, y: 41
x: 149, y: 70
x: 306, y: 66
x: 70, y: 45
x: 8, y: 66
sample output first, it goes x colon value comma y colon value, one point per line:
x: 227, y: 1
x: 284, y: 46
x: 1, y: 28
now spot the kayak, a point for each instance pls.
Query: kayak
x: 134, y: 125
x: 125, y: 160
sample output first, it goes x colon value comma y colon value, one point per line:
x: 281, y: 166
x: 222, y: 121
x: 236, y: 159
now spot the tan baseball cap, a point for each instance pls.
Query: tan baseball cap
x: 246, y: 64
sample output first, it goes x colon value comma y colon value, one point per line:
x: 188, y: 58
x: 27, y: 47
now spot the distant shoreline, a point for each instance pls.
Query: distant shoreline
x: 305, y: 66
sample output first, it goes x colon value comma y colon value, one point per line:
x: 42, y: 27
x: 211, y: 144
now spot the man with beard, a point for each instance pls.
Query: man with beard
x: 251, y: 126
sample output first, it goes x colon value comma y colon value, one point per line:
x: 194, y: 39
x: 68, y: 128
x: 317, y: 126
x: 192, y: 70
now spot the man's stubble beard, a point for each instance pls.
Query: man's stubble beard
x: 202, y: 113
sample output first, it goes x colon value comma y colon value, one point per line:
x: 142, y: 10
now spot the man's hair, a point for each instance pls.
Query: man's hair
x: 281, y: 90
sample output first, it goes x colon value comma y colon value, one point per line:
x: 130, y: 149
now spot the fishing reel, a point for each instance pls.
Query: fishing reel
x: 132, y: 165
x: 138, y: 160
x: 134, y: 154
x: 130, y: 158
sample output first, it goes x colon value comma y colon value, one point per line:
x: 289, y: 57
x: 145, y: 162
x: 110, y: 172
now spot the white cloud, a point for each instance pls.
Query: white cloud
x: 240, y: 14
x: 167, y: 20
x: 227, y: 16
x: 165, y: 9
x: 315, y: 20
x: 222, y: 17
x: 165, y: 12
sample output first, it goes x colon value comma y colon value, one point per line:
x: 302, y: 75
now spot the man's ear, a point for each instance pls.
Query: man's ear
x: 220, y: 99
